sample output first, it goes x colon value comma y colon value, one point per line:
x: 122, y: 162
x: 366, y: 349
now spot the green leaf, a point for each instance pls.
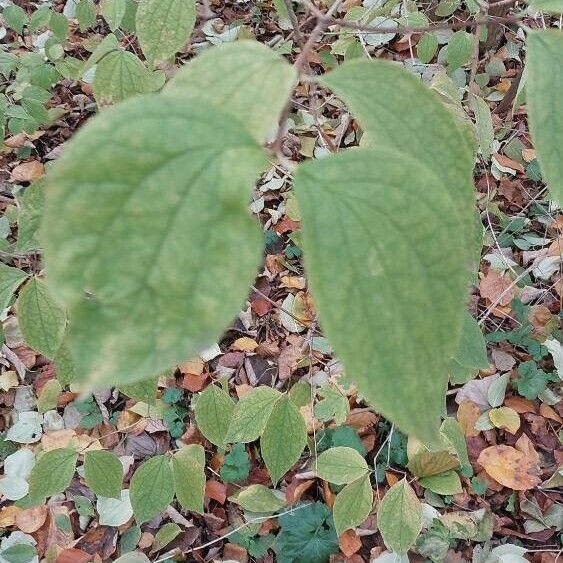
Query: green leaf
x: 168, y: 533
x: 399, y: 517
x: 15, y: 18
x: 120, y: 75
x: 29, y: 217
x: 352, y: 505
x: 164, y: 27
x: 245, y: 78
x: 103, y: 473
x: 334, y: 405
x: 453, y: 435
x: 132, y: 173
x: 497, y: 390
x: 41, y: 320
x: 49, y: 396
x: 553, y: 6
x: 251, y: 414
x: 398, y: 347
x: 152, y: 488
x: 189, y: 477
x: 113, y: 12
x: 213, y: 412
x: 447, y: 483
x: 472, y: 350
x: 86, y: 14
x: 460, y: 47
x: 58, y: 24
x: 237, y: 465
x: 484, y: 127
x: 51, y: 475
x: 258, y: 498
x: 144, y: 391
x: 283, y: 439
x: 341, y: 465
x: 427, y: 47
x: 10, y: 280
x: 133, y: 557
x: 19, y: 553
x: 545, y: 104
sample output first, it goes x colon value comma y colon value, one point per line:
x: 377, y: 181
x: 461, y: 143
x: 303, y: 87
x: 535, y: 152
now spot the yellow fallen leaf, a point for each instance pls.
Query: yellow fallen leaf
x: 467, y: 415
x: 510, y: 467
x: 8, y: 516
x: 9, y: 380
x: 58, y: 439
x: 245, y: 344
x: 505, y: 418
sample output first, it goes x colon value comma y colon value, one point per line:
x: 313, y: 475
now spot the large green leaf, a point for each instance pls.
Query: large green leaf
x: 245, y: 78
x: 554, y: 6
x: 544, y: 90
x: 352, y: 504
x: 251, y: 414
x: 284, y: 438
x: 189, y: 478
x: 29, y: 216
x: 120, y: 75
x: 472, y: 349
x: 399, y: 517
x: 395, y: 309
x: 146, y: 213
x: 41, y: 320
x: 51, y: 475
x: 113, y: 12
x: 164, y: 26
x: 103, y: 473
x: 341, y: 465
x: 152, y: 488
x: 10, y: 280
x: 213, y: 411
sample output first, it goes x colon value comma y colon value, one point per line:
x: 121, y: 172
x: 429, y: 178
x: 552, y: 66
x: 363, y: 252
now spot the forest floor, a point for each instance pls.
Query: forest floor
x: 277, y: 341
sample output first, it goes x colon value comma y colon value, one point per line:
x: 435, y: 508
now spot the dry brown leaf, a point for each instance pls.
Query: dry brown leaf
x: 495, y: 287
x: 216, y: 490
x: 30, y: 520
x: 57, y: 439
x: 548, y: 412
x: 526, y: 446
x: 467, y: 415
x: 510, y: 467
x: 520, y: 404
x: 27, y: 171
x: 8, y: 516
x: 349, y: 543
x: 297, y: 489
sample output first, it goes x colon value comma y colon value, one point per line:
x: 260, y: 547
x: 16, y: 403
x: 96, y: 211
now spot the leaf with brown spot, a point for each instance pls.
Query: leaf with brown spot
x: 495, y: 287
x: 510, y: 467
x: 467, y: 415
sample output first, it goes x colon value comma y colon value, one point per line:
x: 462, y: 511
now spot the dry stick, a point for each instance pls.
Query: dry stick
x: 294, y: 23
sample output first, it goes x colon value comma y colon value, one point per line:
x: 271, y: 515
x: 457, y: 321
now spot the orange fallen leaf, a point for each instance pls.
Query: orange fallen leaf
x: 510, y: 467
x: 495, y: 287
x: 57, y: 439
x: 520, y: 405
x: 27, y: 171
x: 296, y: 489
x: 217, y: 491
x: 467, y: 414
x: 526, y: 446
x: 30, y: 520
x: 349, y: 543
x: 548, y: 412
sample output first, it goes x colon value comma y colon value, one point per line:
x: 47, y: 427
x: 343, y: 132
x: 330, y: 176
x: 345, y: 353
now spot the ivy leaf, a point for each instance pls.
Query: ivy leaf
x: 531, y: 381
x: 213, y: 412
x: 399, y: 517
x: 41, y: 320
x: 189, y: 477
x: 545, y: 108
x: 258, y: 498
x: 51, y: 475
x: 352, y: 504
x: 164, y: 27
x: 307, y: 534
x: 10, y: 280
x: 113, y: 12
x: 284, y: 438
x: 341, y: 465
x: 385, y: 263
x: 237, y: 465
x: 152, y: 488
x: 120, y: 75
x: 103, y: 473
x: 131, y: 174
x: 245, y: 78
x: 251, y: 414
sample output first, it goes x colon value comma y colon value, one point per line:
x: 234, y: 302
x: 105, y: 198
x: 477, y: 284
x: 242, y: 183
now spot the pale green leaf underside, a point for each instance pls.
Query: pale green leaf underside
x: 41, y: 320
x: 545, y: 104
x: 120, y: 75
x: 352, y: 504
x: 394, y: 308
x: 147, y: 237
x: 245, y: 78
x: 152, y: 488
x: 284, y: 438
x: 341, y: 465
x: 164, y: 26
x: 397, y: 111
x: 251, y: 414
x: 399, y: 517
x: 213, y: 411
